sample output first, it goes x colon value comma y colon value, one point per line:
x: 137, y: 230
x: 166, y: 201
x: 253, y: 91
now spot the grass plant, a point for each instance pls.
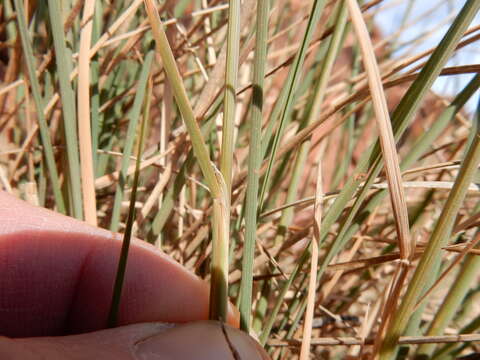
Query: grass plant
x: 289, y: 152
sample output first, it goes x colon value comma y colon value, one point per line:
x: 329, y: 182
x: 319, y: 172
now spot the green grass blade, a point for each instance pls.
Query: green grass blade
x: 313, y: 112
x: 220, y: 251
x: 254, y: 162
x: 95, y: 76
x: 96, y: 116
x: 422, y: 145
x: 291, y: 87
x: 213, y: 178
x: 44, y: 131
x: 452, y: 302
x: 285, y: 287
x: 133, y: 118
x: 9, y: 12
x: 183, y: 102
x: 63, y: 61
x: 464, y: 280
x: 122, y: 262
x: 231, y: 75
x: 419, y: 148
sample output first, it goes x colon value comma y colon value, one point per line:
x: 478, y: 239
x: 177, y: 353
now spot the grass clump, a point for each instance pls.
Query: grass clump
x: 268, y: 137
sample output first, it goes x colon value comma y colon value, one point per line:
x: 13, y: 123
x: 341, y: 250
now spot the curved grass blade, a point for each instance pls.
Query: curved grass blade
x: 438, y: 240
x: 402, y: 115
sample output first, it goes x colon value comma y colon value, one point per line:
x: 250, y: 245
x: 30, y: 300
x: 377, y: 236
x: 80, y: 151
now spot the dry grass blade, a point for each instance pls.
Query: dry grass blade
x: 109, y: 179
x: 84, y: 128
x: 468, y: 223
x: 312, y: 284
x: 345, y: 341
x: 390, y: 156
x: 387, y: 140
x: 360, y: 264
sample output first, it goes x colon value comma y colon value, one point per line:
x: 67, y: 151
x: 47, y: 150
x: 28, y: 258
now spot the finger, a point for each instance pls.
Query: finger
x: 57, y: 277
x: 108, y: 344
x: 200, y: 340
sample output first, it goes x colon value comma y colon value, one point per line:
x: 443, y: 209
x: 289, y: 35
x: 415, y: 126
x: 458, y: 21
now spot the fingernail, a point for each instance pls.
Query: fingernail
x: 203, y: 340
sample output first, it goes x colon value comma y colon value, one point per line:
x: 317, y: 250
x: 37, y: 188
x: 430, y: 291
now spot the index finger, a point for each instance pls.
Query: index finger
x: 57, y: 274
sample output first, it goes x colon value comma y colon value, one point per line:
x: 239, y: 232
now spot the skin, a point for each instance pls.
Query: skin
x: 56, y: 279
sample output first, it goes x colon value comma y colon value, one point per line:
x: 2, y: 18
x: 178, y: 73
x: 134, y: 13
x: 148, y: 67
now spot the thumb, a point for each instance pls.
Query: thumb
x: 151, y: 341
x: 202, y: 340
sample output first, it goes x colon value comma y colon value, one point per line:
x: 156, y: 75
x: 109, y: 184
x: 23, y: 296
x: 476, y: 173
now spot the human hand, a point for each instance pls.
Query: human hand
x: 56, y: 280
